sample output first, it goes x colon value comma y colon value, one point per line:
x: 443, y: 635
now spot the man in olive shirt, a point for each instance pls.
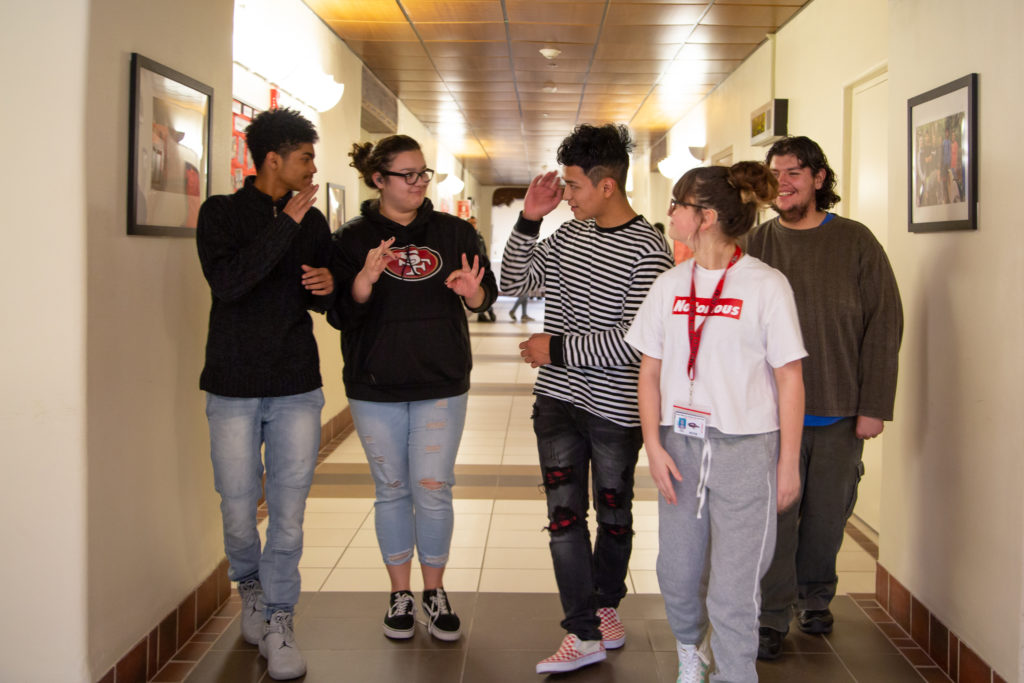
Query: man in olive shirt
x: 852, y: 322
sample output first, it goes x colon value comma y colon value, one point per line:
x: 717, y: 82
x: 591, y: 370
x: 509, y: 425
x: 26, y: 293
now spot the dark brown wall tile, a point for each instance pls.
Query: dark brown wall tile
x: 920, y: 622
x: 954, y: 657
x: 996, y: 678
x: 151, y: 653
x: 972, y: 668
x: 206, y: 599
x: 168, y: 630
x: 132, y: 667
x: 938, y: 647
x: 108, y: 678
x: 882, y: 586
x: 223, y: 582
x: 933, y: 674
x: 186, y: 620
x: 899, y: 604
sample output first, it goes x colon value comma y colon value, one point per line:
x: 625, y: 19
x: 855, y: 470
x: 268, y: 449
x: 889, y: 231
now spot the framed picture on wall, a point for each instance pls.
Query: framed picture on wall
x: 169, y: 136
x: 942, y: 163
x: 335, y: 205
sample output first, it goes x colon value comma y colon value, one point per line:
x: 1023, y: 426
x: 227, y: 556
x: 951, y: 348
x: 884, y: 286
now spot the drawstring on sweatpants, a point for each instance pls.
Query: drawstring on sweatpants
x: 705, y: 472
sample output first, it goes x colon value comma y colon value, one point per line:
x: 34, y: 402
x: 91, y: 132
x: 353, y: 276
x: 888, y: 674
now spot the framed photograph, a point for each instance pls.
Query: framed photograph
x: 335, y: 206
x: 942, y: 163
x: 168, y: 150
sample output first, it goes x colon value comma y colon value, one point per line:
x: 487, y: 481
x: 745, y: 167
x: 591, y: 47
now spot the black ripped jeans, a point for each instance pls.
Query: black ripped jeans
x: 572, y: 443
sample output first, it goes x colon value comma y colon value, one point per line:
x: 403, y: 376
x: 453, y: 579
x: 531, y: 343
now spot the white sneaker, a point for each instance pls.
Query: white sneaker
x: 252, y: 619
x: 693, y: 663
x: 573, y: 654
x: 284, y: 659
x: 613, y: 633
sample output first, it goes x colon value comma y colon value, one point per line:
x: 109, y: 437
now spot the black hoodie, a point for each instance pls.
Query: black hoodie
x: 410, y: 340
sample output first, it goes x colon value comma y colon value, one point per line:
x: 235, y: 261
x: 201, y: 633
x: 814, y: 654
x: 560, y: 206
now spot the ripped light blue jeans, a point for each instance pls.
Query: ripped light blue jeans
x: 411, y: 450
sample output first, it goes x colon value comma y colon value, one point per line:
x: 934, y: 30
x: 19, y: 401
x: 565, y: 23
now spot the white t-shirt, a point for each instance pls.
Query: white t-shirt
x: 754, y: 329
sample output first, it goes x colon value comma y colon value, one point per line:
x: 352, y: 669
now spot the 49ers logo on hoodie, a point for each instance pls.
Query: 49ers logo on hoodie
x: 414, y: 263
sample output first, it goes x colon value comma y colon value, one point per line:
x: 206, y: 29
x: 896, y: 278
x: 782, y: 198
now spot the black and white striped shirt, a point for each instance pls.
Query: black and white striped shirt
x: 594, y: 281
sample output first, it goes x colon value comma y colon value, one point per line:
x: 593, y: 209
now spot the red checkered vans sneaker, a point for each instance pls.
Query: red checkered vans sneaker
x: 573, y: 654
x: 613, y: 633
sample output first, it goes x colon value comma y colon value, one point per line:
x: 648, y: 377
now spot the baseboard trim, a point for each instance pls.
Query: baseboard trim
x: 157, y: 648
x: 946, y: 649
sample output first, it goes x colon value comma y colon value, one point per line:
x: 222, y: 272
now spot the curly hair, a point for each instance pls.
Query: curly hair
x: 810, y: 155
x: 369, y: 158
x: 735, y: 193
x: 601, y: 151
x: 280, y: 131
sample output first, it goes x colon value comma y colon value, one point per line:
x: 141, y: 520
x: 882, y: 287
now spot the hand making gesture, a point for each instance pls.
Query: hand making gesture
x: 466, y: 282
x: 377, y: 259
x: 542, y: 196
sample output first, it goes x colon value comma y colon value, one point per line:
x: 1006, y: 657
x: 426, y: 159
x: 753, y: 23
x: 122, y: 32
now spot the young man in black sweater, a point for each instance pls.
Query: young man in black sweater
x: 265, y: 252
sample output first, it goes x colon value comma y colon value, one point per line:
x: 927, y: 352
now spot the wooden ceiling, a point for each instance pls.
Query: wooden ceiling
x: 471, y: 70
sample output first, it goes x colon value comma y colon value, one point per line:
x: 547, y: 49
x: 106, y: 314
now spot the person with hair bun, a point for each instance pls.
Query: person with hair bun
x: 407, y: 273
x: 721, y: 403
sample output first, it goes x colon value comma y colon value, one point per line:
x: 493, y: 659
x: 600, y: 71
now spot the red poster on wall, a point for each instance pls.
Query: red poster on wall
x: 463, y: 209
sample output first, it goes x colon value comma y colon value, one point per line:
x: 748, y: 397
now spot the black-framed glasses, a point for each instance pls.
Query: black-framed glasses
x: 412, y: 176
x: 673, y: 203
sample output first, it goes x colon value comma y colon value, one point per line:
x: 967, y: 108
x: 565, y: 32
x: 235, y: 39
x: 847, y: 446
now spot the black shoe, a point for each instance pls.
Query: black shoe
x: 769, y: 643
x: 815, y: 621
x: 442, y: 622
x: 400, y: 622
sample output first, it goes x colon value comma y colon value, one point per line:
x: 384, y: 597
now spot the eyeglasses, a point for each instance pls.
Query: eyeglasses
x: 412, y: 176
x: 673, y: 203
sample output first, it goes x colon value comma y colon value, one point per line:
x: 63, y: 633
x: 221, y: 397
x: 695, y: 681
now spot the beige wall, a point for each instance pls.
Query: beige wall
x: 152, y: 522
x: 951, y: 504
x: 42, y: 368
x: 951, y: 514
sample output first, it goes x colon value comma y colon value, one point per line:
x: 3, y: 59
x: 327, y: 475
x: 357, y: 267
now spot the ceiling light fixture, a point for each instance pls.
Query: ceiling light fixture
x: 550, y: 52
x: 549, y: 86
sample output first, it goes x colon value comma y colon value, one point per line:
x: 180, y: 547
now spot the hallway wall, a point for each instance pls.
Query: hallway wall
x: 42, y: 371
x: 952, y: 505
x: 152, y: 522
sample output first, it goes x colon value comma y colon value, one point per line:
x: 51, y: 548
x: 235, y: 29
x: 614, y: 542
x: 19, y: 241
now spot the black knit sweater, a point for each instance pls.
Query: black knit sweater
x: 261, y: 340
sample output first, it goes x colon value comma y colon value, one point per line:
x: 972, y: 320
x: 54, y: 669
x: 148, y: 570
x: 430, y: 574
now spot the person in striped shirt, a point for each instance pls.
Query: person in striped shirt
x: 595, y: 270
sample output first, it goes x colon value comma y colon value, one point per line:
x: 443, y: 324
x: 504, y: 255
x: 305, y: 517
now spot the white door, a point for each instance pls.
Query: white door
x: 867, y: 201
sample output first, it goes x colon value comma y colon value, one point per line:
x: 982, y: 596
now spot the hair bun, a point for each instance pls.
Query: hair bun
x: 754, y: 181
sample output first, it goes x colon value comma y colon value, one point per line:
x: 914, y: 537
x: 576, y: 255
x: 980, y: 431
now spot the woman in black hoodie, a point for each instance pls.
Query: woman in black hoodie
x: 407, y: 274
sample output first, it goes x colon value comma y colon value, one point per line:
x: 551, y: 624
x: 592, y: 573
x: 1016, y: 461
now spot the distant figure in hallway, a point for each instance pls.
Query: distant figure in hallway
x: 852, y: 322
x: 407, y: 275
x: 595, y: 270
x: 520, y: 304
x: 266, y: 253
x: 487, y: 316
x: 725, y: 454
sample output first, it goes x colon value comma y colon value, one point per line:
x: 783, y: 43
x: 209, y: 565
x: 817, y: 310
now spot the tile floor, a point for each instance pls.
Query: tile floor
x: 500, y: 573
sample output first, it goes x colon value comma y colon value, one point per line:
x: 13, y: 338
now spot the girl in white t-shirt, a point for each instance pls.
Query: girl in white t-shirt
x: 721, y: 403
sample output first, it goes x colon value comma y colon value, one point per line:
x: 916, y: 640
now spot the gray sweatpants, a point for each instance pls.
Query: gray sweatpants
x: 710, y: 567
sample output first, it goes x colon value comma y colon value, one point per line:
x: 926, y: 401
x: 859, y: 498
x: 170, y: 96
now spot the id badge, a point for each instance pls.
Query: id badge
x: 691, y: 421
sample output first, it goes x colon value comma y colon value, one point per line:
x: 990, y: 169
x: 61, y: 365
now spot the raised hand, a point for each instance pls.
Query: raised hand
x: 377, y: 259
x: 301, y: 202
x: 542, y: 196
x: 466, y: 281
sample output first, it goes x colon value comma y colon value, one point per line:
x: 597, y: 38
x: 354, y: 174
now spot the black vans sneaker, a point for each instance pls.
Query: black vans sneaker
x: 442, y: 622
x: 400, y: 622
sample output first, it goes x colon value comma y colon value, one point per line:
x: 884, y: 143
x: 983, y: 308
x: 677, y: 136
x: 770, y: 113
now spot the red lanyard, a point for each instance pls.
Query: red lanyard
x: 696, y: 332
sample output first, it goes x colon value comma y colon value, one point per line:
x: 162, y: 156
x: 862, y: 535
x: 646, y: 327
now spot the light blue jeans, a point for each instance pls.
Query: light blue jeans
x: 411, y: 450
x: 289, y: 429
